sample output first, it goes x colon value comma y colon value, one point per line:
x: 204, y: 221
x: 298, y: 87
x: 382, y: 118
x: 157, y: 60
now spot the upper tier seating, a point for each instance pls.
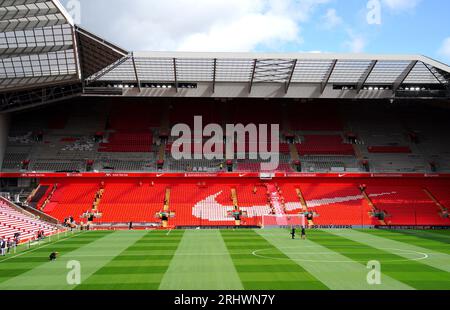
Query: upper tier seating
x: 314, y: 118
x: 128, y: 142
x: 56, y: 165
x: 184, y: 113
x: 43, y: 140
x: 390, y: 149
x: 324, y: 145
x: 255, y: 166
x: 267, y: 113
x: 135, y: 117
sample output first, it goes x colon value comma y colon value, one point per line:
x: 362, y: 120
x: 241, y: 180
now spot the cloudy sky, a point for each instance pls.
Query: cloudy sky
x: 368, y: 26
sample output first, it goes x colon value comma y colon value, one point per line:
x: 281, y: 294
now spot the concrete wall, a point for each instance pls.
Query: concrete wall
x: 4, y: 130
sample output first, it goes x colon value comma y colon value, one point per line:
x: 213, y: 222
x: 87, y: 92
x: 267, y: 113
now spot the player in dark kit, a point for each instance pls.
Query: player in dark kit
x: 53, y: 256
x: 293, y: 233
x: 303, y: 233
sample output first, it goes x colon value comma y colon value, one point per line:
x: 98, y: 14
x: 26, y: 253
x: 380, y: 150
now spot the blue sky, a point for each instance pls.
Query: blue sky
x: 405, y: 26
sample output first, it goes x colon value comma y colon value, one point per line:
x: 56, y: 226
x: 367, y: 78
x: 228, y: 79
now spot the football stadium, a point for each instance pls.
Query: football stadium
x: 124, y: 170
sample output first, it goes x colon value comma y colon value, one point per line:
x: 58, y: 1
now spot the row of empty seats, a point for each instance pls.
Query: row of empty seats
x: 12, y: 221
x: 324, y: 145
x: 207, y: 203
x: 126, y: 142
x: 380, y: 130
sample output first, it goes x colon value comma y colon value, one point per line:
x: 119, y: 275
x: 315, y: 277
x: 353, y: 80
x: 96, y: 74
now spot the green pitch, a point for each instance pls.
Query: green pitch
x: 233, y: 260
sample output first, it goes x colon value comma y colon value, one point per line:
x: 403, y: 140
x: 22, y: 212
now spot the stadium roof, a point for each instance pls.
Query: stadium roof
x: 45, y: 57
x: 310, y: 68
x: 39, y: 45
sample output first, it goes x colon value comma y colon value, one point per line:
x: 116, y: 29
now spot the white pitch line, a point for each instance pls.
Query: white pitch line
x: 423, y: 256
x: 40, y: 247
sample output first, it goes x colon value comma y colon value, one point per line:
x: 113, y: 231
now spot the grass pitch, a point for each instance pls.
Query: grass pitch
x: 232, y: 260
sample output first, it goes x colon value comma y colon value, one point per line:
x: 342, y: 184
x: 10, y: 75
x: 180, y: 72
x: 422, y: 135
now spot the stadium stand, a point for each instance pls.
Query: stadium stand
x: 407, y: 204
x: 390, y: 149
x: 324, y: 145
x: 96, y: 134
x: 199, y: 203
x: 128, y: 143
x: 111, y: 140
x: 13, y: 221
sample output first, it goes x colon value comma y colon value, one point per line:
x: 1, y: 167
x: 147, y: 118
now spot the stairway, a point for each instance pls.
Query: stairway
x: 302, y: 199
x: 31, y: 196
x: 276, y: 202
x: 167, y: 200
x: 234, y: 198
x: 165, y: 119
x: 294, y: 152
x: 161, y: 152
x: 49, y: 198
x: 98, y: 199
x: 358, y: 152
x: 372, y: 205
x: 164, y: 127
x: 441, y: 207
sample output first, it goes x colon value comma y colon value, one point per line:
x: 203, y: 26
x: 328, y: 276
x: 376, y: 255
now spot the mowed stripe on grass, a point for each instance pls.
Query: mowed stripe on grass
x: 333, y: 269
x: 91, y: 257
x: 201, y: 262
x: 265, y: 274
x: 139, y: 267
x: 28, y: 259
x: 394, y: 262
x: 428, y: 240
x: 435, y: 259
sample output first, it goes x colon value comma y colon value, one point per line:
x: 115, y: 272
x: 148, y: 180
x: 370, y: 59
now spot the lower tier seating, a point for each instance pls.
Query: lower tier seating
x: 406, y: 205
x: 13, y: 221
x: 207, y: 202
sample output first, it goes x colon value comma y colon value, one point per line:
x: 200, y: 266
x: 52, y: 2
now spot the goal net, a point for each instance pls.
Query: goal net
x: 283, y: 221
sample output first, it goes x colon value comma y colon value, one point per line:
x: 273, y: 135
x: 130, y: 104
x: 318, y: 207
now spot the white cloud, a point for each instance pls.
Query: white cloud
x: 445, y: 49
x: 401, y: 5
x: 331, y: 19
x: 198, y: 25
x: 356, y: 42
x: 243, y: 34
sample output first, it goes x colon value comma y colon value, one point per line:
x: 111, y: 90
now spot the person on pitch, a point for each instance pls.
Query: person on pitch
x: 293, y: 233
x: 53, y: 256
x: 303, y: 233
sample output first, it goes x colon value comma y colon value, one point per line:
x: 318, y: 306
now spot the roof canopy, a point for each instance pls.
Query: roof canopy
x: 344, y: 69
x: 39, y: 46
x: 36, y: 44
x: 43, y: 55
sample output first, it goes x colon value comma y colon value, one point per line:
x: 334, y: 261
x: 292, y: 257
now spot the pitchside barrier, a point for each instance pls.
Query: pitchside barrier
x: 283, y: 221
